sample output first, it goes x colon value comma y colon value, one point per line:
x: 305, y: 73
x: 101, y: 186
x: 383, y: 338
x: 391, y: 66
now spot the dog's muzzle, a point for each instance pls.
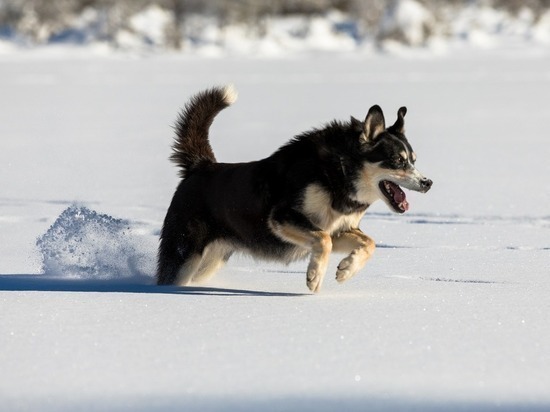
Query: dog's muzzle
x: 425, y: 184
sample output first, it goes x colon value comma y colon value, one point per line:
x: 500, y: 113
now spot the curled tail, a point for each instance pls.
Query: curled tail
x: 191, y: 146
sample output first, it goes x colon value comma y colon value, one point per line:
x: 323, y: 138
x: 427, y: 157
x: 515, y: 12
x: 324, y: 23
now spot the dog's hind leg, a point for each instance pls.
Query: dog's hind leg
x: 177, y: 264
x: 215, y: 255
x: 360, y: 248
x: 188, y: 270
x: 169, y: 264
x: 295, y: 228
x: 179, y: 253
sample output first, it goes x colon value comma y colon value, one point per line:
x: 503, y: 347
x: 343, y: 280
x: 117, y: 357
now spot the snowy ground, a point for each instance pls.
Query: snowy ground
x: 450, y: 314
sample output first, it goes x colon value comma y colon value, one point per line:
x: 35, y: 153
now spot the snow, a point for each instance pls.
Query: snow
x: 145, y: 29
x: 410, y: 18
x: 451, y: 313
x: 541, y: 31
x: 402, y: 24
x: 88, y: 245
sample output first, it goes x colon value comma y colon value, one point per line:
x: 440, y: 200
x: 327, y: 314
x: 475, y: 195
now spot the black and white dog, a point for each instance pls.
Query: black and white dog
x: 306, y: 199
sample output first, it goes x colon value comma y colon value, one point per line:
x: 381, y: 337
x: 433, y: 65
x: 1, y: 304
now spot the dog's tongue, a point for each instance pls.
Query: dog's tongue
x: 399, y: 197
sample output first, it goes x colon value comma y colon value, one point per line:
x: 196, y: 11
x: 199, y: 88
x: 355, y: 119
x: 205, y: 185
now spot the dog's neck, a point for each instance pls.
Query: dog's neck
x: 346, y: 205
x: 342, y: 202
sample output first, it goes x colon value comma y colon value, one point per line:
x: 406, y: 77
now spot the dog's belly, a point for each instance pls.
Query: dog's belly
x: 270, y: 248
x: 288, y: 255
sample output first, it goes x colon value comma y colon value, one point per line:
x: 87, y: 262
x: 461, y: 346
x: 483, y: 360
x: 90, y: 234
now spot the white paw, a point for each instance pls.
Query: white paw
x: 316, y: 272
x: 314, y: 279
x: 347, y: 268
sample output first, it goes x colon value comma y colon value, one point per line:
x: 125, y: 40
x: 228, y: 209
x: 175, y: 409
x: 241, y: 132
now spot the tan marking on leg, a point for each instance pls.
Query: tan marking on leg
x: 360, y: 248
x: 188, y: 270
x: 213, y: 258
x: 318, y: 242
x: 318, y: 263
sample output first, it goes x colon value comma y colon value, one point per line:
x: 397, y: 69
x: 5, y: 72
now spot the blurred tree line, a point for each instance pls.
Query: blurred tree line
x: 38, y: 20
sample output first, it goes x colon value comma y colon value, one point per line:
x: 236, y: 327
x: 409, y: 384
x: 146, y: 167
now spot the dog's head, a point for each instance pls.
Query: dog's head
x: 388, y: 161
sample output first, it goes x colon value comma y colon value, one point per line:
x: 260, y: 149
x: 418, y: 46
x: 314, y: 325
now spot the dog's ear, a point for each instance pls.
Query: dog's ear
x: 374, y: 124
x: 399, y: 125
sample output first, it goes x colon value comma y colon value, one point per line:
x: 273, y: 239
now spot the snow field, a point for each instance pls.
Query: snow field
x: 449, y: 314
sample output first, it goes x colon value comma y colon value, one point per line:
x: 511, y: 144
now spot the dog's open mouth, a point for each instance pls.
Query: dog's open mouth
x: 395, y: 195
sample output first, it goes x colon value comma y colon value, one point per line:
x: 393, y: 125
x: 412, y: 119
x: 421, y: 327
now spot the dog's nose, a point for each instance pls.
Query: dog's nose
x: 426, y: 184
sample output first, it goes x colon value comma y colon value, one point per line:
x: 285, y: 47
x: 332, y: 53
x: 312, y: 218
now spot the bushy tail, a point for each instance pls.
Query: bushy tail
x: 191, y: 146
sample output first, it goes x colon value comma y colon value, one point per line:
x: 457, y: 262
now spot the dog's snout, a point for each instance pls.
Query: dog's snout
x: 426, y: 184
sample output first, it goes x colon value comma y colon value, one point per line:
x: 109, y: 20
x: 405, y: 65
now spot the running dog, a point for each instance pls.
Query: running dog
x: 306, y: 199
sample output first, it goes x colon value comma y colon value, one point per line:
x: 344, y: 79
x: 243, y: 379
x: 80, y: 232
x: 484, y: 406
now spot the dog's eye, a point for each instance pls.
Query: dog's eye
x: 399, y: 162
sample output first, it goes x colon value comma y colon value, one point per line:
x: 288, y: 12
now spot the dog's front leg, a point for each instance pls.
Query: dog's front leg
x: 293, y: 227
x: 360, y: 248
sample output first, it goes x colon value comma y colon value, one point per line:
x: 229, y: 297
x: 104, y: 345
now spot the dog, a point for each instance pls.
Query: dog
x: 306, y: 199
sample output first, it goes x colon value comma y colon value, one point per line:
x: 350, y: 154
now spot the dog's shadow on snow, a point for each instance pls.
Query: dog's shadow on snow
x: 43, y: 283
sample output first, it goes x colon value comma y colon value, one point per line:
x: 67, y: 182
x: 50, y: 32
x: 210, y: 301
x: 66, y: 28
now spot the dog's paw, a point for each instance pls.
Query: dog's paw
x: 316, y: 272
x: 314, y: 280
x: 347, y: 268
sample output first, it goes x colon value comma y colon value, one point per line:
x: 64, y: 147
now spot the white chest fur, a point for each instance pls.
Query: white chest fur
x: 317, y: 206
